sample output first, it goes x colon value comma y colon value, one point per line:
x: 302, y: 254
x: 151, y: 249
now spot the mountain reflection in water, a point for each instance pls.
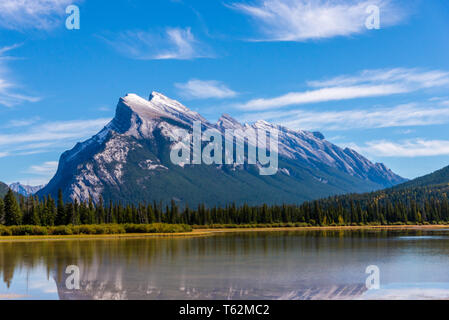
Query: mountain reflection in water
x: 277, y: 265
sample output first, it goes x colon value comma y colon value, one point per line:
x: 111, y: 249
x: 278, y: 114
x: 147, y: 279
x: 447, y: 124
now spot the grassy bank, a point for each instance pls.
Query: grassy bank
x: 206, y: 230
x: 101, y: 229
x: 166, y: 230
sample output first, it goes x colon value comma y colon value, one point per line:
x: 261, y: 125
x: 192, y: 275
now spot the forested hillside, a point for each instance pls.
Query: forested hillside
x: 414, y: 202
x: 436, y: 178
x: 3, y: 189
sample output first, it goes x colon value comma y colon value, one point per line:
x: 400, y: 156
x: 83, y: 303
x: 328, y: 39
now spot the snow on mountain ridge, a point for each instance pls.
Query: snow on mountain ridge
x: 228, y: 122
x: 147, y: 125
x: 25, y: 190
x: 293, y: 144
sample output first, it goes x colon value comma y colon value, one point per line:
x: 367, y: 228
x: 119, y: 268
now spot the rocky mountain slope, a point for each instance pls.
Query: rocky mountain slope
x: 129, y: 161
x: 24, y: 189
x: 3, y: 189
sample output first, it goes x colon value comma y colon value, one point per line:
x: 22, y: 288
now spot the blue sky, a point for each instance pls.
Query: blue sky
x: 306, y: 64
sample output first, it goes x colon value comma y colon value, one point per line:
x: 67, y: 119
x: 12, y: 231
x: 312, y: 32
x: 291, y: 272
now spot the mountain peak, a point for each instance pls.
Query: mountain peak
x: 228, y: 122
x: 264, y: 125
x: 160, y: 100
x: 156, y: 102
x: 158, y: 105
x: 155, y: 94
x: 129, y: 154
x: 25, y: 190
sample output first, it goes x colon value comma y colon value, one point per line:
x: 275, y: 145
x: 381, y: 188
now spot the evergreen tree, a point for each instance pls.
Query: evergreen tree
x: 100, y: 212
x: 60, y: 213
x: 2, y: 212
x: 13, y: 214
x: 34, y: 214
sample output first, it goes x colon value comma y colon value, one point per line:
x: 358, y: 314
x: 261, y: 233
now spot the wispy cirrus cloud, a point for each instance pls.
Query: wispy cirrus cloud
x: 21, y: 122
x: 171, y: 43
x: 48, y: 136
x: 413, y: 114
x: 9, y: 96
x: 407, y: 148
x: 368, y: 83
x: 40, y: 174
x: 46, y: 168
x: 5, y: 49
x: 204, y: 89
x: 23, y: 15
x: 323, y: 95
x: 302, y: 20
x: 410, y: 78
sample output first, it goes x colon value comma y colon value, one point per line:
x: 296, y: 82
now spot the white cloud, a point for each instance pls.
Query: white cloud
x: 410, y: 78
x: 33, y: 14
x: 301, y: 20
x: 6, y: 49
x: 47, y: 136
x: 41, y: 174
x: 369, y: 83
x: 8, y: 89
x: 21, y: 122
x: 399, y: 116
x: 200, y: 89
x: 322, y: 95
x: 406, y: 148
x: 172, y: 43
x: 45, y: 168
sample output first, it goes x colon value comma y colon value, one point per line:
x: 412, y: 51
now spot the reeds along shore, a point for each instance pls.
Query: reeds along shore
x: 93, y: 229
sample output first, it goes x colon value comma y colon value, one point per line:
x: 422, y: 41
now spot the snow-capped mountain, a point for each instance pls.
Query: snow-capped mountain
x: 129, y: 161
x: 24, y: 189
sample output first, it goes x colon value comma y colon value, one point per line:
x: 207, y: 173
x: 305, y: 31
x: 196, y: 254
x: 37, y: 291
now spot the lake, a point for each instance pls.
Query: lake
x: 412, y: 264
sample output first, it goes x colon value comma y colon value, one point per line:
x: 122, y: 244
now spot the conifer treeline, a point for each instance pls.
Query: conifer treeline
x: 419, y: 205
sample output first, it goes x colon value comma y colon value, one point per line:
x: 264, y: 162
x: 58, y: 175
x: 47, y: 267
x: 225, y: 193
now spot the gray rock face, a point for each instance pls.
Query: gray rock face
x: 24, y: 189
x: 129, y: 161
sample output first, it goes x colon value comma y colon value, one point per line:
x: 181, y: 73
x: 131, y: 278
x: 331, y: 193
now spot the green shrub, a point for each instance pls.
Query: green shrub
x: 28, y: 230
x: 157, y: 228
x: 61, y: 230
x: 94, y: 229
x: 5, y: 231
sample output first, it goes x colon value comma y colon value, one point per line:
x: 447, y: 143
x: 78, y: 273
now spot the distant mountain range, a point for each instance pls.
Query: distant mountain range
x: 129, y: 161
x: 18, y: 189
x: 25, y: 190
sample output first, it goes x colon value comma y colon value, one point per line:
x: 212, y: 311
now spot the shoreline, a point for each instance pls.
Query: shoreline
x: 210, y: 232
x: 328, y: 228
x: 123, y: 236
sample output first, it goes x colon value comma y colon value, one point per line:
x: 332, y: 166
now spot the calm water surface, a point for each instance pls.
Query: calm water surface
x: 266, y: 265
